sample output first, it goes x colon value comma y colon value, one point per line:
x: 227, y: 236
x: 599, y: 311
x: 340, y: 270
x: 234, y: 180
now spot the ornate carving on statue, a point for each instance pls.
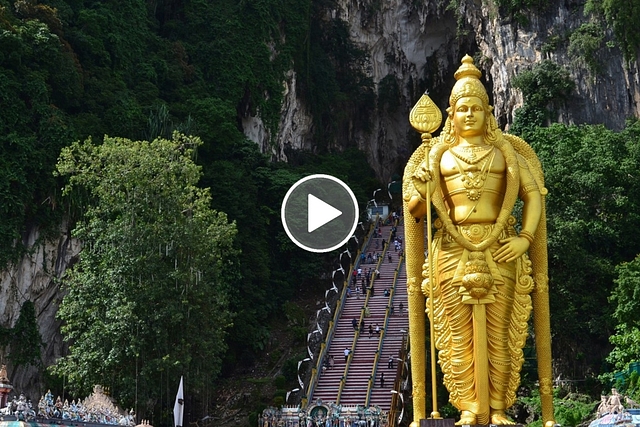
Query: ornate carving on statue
x: 542, y: 283
x: 479, y: 274
x: 425, y: 116
x: 418, y: 387
x: 412, y: 286
x: 546, y: 386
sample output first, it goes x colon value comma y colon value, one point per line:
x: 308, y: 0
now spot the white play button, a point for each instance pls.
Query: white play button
x: 319, y: 213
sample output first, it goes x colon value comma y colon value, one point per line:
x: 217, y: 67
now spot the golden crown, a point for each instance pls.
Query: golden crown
x: 468, y: 83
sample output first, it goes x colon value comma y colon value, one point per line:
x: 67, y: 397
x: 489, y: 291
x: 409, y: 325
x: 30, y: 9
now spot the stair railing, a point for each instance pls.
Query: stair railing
x: 343, y: 379
x: 376, y: 359
x: 334, y: 321
x: 394, y: 419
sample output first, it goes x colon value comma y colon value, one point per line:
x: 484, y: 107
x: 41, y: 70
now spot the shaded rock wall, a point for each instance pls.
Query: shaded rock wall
x: 419, y: 44
x: 34, y: 279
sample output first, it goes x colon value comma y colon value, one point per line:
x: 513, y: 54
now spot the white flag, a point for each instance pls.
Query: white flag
x: 178, y: 407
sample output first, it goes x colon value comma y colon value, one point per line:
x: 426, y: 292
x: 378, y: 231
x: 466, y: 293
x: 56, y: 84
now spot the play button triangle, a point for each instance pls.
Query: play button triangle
x: 319, y: 213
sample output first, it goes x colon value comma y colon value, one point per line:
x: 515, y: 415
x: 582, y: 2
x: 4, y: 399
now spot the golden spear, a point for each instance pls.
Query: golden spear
x: 426, y: 118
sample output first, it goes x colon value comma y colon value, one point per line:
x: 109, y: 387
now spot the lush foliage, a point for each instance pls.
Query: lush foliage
x: 38, y: 79
x: 149, y: 297
x: 24, y: 338
x: 542, y: 88
x: 84, y: 68
x: 73, y: 69
x: 521, y: 10
x: 250, y: 190
x: 570, y: 409
x: 622, y: 16
x: 625, y: 298
x: 593, y: 206
x: 584, y: 43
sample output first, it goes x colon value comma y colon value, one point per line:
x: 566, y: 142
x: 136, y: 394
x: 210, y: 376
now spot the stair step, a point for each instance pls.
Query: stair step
x: 363, y: 357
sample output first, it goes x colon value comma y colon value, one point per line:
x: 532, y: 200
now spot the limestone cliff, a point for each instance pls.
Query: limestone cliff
x: 33, y: 278
x: 418, y: 45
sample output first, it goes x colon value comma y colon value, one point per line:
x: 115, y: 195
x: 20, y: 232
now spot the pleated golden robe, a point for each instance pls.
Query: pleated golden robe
x: 508, y: 307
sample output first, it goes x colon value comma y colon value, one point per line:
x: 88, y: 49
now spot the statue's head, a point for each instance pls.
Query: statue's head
x: 469, y: 116
x: 469, y: 93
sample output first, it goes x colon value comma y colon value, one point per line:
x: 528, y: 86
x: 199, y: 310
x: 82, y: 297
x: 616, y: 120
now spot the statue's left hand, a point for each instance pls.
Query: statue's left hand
x: 512, y: 248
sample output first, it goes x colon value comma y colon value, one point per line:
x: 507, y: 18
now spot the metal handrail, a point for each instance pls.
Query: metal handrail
x: 356, y: 335
x: 376, y: 358
x: 334, y: 321
x: 397, y: 384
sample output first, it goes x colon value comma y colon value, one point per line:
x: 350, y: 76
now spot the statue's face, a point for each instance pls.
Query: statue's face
x: 469, y: 116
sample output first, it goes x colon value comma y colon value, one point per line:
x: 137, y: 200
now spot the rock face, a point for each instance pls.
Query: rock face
x: 418, y: 45
x: 607, y: 97
x: 294, y: 129
x: 34, y: 279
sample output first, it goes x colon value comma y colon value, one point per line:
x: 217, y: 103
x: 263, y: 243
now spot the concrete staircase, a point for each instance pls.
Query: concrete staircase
x: 370, y: 352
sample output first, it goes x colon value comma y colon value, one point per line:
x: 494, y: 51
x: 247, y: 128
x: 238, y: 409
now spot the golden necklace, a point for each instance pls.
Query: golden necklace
x: 473, y: 180
x: 468, y: 154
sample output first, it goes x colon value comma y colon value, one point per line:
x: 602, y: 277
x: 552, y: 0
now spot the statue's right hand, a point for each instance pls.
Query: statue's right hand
x: 422, y: 172
x: 421, y: 178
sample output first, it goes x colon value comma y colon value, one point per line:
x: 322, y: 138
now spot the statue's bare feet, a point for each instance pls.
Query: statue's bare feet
x: 466, y: 418
x: 499, y: 418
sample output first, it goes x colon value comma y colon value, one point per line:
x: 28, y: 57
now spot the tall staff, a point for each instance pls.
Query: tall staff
x: 426, y: 118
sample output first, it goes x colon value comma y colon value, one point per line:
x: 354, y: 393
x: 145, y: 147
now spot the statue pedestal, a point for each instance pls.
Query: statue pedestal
x: 442, y: 422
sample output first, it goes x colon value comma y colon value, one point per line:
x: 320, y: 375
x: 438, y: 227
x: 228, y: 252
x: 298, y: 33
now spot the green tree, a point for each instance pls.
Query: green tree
x: 584, y: 43
x: 622, y: 17
x: 570, y: 409
x: 148, y: 299
x: 626, y: 299
x: 592, y: 207
x: 543, y: 87
x: 38, y: 81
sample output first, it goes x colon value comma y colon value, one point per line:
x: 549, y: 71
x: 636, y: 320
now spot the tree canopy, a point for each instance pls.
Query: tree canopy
x: 592, y: 207
x: 149, y: 297
x: 625, y: 299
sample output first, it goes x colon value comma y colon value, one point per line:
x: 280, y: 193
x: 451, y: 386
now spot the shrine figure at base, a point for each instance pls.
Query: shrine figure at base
x: 481, y: 275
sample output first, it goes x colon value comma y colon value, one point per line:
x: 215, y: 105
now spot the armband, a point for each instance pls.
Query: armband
x: 528, y: 188
x: 526, y: 235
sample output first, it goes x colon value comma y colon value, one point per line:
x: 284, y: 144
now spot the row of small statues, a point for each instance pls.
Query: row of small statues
x: 87, y: 411
x: 96, y: 409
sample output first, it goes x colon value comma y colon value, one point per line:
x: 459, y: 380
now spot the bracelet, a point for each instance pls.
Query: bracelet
x: 526, y: 235
x: 422, y: 199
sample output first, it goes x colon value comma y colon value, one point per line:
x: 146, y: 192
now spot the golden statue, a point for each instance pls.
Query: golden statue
x: 481, y: 278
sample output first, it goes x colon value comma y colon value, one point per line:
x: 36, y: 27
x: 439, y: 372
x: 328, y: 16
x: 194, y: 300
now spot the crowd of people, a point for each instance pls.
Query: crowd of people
x: 362, y: 281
